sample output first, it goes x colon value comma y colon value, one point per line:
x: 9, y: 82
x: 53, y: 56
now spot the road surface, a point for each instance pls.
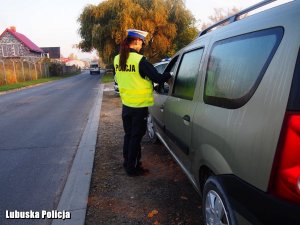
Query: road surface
x: 40, y: 130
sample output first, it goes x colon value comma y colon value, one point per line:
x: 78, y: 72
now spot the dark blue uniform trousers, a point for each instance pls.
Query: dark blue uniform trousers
x: 134, y: 124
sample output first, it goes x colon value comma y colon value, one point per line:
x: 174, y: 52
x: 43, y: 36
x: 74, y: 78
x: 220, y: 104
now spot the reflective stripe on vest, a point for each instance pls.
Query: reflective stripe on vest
x: 135, y: 91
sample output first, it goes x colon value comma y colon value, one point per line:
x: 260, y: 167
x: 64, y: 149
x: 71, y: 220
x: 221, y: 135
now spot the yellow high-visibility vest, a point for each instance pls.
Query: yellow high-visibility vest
x: 135, y: 91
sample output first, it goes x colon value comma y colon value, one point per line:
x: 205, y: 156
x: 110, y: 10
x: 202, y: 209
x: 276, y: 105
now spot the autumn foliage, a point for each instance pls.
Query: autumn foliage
x: 170, y: 25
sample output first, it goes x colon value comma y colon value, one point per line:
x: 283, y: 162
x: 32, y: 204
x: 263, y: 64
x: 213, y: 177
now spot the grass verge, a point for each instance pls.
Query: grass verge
x: 107, y: 78
x: 9, y: 87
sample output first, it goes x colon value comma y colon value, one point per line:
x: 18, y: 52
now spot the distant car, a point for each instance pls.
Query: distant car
x: 94, y: 68
x: 160, y: 67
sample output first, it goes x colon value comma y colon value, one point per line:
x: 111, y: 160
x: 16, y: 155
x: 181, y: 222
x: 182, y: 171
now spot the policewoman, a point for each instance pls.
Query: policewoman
x: 134, y: 75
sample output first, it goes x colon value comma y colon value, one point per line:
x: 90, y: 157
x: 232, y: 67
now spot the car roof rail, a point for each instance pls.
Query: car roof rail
x: 235, y: 17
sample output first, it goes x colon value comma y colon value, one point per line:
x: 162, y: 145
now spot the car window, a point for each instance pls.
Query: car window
x: 236, y: 66
x: 171, y: 66
x: 163, y: 67
x: 168, y: 67
x: 186, y: 78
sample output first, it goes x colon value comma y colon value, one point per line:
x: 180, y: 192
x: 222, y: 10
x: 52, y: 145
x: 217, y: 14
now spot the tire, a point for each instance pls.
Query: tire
x: 151, y: 135
x: 215, y: 204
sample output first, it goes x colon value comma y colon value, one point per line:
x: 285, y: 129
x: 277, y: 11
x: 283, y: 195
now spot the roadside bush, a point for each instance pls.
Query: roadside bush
x: 55, y: 69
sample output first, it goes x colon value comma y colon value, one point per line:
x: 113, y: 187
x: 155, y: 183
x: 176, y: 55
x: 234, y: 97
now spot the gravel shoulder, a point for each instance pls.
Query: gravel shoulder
x: 162, y: 197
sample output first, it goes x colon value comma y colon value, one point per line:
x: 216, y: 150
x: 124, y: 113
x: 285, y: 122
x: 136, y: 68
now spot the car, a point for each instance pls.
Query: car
x: 231, y: 117
x: 94, y: 68
x: 160, y: 66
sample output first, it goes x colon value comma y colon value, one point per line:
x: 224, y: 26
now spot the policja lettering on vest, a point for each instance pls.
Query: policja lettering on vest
x: 135, y: 91
x: 130, y: 68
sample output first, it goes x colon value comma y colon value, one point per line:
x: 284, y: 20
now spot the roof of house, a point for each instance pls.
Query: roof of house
x: 22, y: 38
x: 54, y: 52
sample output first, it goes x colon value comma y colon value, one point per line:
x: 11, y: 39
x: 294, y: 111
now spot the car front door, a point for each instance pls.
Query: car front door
x: 160, y: 96
x: 179, y: 107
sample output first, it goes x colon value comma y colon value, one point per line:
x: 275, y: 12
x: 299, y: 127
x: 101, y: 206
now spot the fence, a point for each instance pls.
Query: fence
x: 22, y: 69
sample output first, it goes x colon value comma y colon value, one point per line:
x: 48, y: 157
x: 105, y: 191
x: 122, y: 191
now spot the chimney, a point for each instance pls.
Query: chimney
x: 13, y: 28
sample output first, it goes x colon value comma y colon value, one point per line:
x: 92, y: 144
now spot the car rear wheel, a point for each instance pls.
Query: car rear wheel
x: 216, y: 207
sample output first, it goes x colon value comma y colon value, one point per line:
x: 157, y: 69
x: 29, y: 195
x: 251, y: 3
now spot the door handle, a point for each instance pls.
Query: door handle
x: 161, y: 108
x: 186, y: 119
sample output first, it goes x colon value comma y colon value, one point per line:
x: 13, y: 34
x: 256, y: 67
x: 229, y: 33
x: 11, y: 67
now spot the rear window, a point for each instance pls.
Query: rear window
x: 94, y: 66
x: 294, y: 99
x: 237, y: 65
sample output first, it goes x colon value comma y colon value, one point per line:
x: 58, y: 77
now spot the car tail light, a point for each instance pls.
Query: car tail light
x: 285, y: 182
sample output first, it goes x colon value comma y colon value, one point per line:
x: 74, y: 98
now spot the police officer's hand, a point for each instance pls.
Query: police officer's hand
x: 171, y: 80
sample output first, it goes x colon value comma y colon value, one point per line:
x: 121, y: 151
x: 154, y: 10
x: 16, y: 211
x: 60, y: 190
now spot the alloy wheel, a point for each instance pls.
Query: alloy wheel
x: 215, y: 211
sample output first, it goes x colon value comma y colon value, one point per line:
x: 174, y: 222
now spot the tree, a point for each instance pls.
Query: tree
x: 170, y: 26
x: 219, y: 15
x: 185, y: 23
x: 72, y: 56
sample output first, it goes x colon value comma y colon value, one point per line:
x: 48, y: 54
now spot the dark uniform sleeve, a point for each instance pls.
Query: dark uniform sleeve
x: 148, y: 70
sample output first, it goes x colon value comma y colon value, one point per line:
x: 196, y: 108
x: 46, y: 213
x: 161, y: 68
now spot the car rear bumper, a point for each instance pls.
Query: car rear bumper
x: 253, y: 206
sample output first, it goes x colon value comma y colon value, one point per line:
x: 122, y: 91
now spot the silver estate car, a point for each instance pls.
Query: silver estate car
x: 231, y: 118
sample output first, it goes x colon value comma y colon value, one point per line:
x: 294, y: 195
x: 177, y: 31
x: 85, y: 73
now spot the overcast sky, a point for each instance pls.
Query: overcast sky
x: 53, y: 23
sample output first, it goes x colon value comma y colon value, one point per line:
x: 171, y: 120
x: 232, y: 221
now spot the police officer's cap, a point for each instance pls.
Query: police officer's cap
x: 137, y: 33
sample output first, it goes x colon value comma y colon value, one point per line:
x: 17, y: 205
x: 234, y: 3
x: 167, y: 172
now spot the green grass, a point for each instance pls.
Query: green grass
x: 9, y: 87
x: 107, y: 78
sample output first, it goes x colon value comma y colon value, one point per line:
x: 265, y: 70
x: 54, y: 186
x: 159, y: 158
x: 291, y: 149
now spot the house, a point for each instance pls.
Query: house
x: 16, y: 45
x: 53, y: 52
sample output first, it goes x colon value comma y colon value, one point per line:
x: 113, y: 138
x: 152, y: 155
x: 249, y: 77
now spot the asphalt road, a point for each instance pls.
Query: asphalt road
x: 40, y: 130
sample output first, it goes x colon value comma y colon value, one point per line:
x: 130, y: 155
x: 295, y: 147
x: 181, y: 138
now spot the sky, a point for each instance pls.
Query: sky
x: 53, y: 23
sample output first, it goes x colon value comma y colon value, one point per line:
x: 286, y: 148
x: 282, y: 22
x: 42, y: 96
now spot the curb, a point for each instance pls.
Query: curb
x: 76, y: 191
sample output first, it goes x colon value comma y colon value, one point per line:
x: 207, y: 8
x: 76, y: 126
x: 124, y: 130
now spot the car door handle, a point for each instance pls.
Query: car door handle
x: 186, y: 119
x: 161, y: 108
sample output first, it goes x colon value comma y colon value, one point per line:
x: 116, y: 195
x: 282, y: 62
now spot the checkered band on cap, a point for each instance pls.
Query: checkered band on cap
x: 137, y: 33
